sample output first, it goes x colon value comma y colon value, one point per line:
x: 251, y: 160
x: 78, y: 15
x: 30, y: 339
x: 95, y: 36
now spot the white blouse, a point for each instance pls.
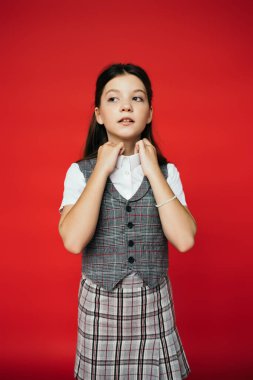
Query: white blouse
x: 126, y: 177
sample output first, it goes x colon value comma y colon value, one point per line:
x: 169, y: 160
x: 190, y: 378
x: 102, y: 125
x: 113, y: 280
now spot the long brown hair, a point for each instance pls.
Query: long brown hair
x: 97, y: 133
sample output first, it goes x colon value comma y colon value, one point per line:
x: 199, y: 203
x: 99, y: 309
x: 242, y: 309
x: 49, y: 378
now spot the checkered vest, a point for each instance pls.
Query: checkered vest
x: 128, y: 236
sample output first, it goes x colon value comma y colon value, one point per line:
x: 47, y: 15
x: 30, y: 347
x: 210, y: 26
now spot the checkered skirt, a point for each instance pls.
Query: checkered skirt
x: 128, y: 333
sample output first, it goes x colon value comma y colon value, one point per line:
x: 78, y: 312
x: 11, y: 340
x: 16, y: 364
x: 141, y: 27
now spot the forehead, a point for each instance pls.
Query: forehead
x: 123, y: 83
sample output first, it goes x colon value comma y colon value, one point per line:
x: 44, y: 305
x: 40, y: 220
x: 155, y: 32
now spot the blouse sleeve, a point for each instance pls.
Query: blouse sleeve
x: 175, y: 183
x: 74, y: 184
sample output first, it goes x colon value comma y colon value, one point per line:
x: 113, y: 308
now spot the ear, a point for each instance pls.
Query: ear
x: 150, y: 115
x: 98, y: 116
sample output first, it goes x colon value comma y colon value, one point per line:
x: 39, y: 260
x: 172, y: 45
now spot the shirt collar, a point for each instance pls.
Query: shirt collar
x: 133, y: 161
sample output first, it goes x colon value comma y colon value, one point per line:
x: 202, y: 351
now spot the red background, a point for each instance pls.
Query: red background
x: 199, y: 58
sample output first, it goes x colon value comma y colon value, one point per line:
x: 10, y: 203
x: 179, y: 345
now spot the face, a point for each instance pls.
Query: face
x: 124, y: 96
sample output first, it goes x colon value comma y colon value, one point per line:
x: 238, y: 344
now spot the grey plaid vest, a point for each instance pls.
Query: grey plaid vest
x: 128, y: 236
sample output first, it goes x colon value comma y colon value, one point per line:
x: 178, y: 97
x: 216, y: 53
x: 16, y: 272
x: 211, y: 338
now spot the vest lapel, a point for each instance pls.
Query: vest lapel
x: 141, y: 191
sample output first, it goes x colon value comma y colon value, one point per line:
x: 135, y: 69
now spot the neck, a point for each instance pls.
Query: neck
x: 128, y: 145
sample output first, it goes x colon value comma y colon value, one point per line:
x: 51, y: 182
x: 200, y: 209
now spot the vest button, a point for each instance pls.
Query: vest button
x: 130, y: 225
x: 131, y: 259
x: 128, y: 208
x: 130, y: 243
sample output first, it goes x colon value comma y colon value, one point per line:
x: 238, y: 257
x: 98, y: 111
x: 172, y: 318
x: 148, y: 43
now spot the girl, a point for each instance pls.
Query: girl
x: 122, y: 203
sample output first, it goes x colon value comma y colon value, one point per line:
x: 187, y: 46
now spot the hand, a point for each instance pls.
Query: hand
x: 108, y: 154
x: 148, y: 156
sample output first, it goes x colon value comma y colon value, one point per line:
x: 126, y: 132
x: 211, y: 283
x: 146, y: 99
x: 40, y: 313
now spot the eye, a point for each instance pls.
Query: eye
x: 113, y: 97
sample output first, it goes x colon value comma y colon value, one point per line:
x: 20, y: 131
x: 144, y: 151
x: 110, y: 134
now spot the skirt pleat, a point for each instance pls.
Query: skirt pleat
x: 129, y: 333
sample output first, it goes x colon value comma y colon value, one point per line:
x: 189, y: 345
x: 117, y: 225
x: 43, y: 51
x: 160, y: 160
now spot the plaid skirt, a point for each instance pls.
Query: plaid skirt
x: 128, y: 333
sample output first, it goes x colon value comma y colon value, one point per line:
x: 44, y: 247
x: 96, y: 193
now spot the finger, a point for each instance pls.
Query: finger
x: 146, y: 141
x: 121, y: 147
x: 136, y: 148
x: 141, y: 145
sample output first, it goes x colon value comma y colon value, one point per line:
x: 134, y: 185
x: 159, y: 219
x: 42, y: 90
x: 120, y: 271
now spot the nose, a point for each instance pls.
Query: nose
x: 126, y: 107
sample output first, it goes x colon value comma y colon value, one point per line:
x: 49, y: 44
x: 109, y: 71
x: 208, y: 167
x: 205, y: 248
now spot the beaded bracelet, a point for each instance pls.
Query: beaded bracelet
x: 161, y: 204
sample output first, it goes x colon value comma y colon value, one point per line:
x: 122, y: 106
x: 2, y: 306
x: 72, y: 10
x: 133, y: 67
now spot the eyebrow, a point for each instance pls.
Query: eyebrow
x: 119, y: 91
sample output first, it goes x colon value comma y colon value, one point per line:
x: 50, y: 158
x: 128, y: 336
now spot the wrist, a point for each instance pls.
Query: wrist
x: 101, y: 171
x: 154, y: 172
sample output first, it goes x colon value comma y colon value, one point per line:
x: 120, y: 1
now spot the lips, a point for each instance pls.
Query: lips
x: 126, y: 120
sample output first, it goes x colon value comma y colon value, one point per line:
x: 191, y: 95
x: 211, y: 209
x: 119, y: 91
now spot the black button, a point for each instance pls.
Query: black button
x: 131, y: 259
x: 128, y: 208
x: 130, y: 225
x: 130, y: 243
